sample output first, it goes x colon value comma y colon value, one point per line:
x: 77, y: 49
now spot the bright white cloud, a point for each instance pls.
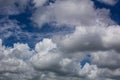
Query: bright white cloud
x: 46, y: 61
x: 45, y: 46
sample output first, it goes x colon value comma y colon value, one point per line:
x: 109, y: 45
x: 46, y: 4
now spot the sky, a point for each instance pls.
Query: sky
x: 59, y: 40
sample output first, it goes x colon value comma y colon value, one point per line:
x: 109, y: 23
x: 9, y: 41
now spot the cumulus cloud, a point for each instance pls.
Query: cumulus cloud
x: 74, y: 12
x: 93, y: 72
x: 12, y: 63
x: 109, y: 2
x: 91, y: 39
x: 22, y: 63
x: 102, y: 42
x: 60, y: 57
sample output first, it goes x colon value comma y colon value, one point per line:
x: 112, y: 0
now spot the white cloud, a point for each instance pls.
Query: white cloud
x: 49, y: 58
x: 106, y: 59
x: 91, y: 39
x: 15, y: 60
x: 59, y: 58
x: 12, y: 67
x: 102, y: 42
x: 45, y: 46
x: 93, y: 72
x: 89, y: 71
x: 21, y: 51
x: 47, y: 61
x: 28, y: 64
x: 95, y: 34
x: 109, y: 2
x: 8, y: 27
x: 41, y: 16
x: 39, y: 3
x: 71, y: 12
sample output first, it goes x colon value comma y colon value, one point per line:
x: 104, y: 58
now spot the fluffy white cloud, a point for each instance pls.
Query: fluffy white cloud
x: 48, y: 57
x: 89, y: 71
x: 95, y: 34
x: 92, y: 72
x: 59, y: 58
x: 71, y: 12
x: 45, y: 46
x: 46, y: 61
x: 20, y: 62
x: 21, y: 51
x: 109, y: 2
x: 12, y: 64
x: 91, y: 39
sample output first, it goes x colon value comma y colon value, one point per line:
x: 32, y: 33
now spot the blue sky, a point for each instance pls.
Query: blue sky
x: 60, y: 39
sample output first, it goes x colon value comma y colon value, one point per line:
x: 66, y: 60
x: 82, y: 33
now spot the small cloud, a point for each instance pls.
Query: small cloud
x: 109, y: 2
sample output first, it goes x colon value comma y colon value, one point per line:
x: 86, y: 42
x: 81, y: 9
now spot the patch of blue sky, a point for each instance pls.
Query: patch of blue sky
x: 87, y: 59
x: 114, y: 10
